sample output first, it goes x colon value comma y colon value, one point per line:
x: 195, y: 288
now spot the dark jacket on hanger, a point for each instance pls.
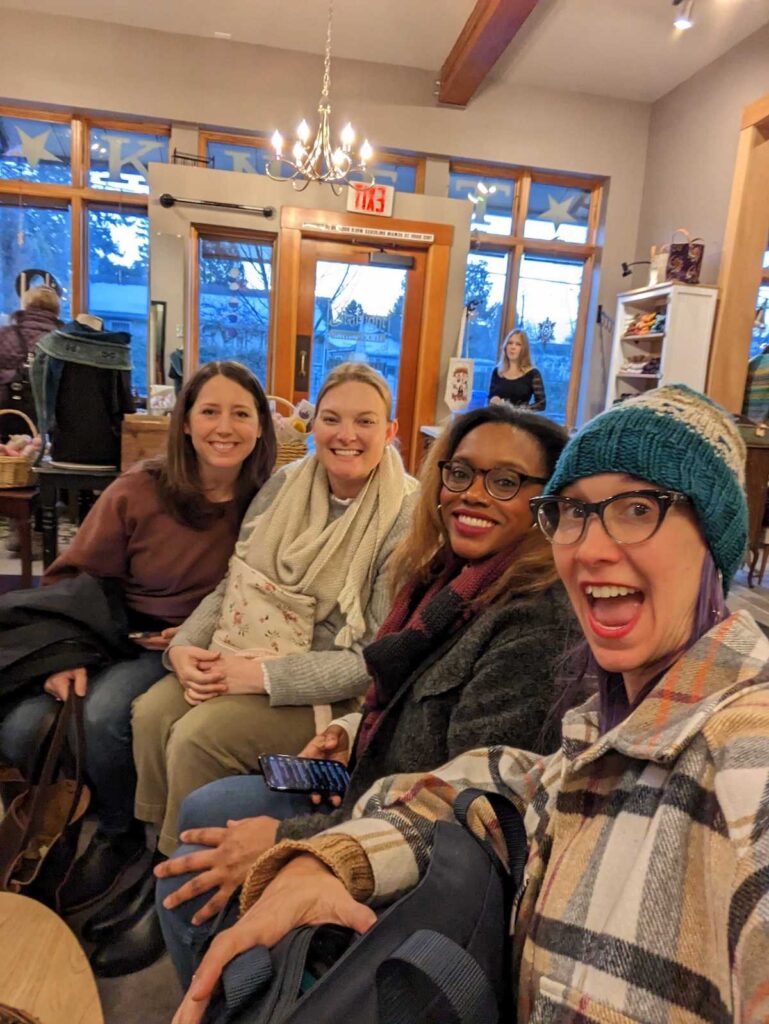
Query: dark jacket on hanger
x: 77, y: 363
x: 80, y: 621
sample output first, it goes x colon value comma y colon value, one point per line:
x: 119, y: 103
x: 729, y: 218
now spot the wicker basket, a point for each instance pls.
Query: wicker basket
x: 14, y: 471
x: 288, y: 451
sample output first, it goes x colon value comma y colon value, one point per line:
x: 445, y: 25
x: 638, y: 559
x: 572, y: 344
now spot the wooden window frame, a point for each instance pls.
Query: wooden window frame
x: 262, y: 142
x: 79, y: 195
x: 517, y: 245
x: 741, y: 272
x: 198, y: 231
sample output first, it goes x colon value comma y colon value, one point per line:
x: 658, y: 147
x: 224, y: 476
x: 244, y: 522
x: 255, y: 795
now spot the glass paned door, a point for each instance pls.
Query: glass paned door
x: 547, y: 309
x: 350, y: 310
x: 235, y: 278
x: 358, y: 319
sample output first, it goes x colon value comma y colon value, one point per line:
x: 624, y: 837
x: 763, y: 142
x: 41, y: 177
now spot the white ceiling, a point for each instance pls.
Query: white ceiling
x: 622, y: 48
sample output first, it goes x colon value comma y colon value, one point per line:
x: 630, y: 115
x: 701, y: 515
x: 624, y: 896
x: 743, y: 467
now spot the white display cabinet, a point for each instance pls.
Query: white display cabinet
x: 674, y: 351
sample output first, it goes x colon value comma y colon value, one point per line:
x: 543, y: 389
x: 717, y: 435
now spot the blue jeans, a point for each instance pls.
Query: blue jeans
x: 211, y: 806
x: 107, y: 715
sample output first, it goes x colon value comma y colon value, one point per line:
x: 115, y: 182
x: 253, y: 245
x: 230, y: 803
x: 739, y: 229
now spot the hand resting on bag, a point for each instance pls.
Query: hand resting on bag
x: 304, y: 892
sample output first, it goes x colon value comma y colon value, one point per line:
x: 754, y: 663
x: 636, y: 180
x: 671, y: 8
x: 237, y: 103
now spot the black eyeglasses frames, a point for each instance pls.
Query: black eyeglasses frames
x: 628, y: 518
x: 501, y: 482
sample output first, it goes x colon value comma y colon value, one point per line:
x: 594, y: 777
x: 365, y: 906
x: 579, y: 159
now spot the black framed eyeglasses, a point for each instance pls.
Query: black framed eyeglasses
x: 628, y: 518
x: 501, y: 482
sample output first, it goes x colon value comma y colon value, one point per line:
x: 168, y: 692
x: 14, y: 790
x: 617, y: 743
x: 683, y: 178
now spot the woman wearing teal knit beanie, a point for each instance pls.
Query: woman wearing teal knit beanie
x: 646, y: 887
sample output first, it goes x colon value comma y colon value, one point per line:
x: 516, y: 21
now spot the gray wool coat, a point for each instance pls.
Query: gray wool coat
x: 493, y: 683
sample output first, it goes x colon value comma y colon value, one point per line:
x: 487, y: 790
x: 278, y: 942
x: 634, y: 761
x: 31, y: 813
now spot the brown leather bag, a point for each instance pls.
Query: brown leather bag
x: 40, y: 830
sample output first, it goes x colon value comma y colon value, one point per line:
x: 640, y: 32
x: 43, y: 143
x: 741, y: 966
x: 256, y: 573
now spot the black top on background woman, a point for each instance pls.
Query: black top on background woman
x: 516, y: 380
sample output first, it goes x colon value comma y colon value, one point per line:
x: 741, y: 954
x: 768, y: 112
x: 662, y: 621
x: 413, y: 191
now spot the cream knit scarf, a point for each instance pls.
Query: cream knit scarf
x: 294, y: 544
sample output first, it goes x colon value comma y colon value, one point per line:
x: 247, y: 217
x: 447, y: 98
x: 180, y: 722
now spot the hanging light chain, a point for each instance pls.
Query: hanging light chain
x: 318, y: 160
x: 326, y: 90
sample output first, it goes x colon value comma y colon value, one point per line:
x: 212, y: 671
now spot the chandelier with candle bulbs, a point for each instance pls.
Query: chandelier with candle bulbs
x: 318, y: 160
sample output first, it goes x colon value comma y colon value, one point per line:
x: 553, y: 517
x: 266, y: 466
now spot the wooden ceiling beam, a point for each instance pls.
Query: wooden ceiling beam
x: 487, y: 33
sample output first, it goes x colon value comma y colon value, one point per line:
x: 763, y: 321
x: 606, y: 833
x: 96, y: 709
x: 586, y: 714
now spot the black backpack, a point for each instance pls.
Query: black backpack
x: 439, y: 955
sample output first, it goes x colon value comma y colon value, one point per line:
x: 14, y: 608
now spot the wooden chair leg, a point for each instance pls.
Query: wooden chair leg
x: 25, y: 546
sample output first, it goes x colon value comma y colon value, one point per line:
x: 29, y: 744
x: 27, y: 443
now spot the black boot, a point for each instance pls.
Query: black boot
x: 100, y: 868
x: 108, y: 922
x: 138, y: 946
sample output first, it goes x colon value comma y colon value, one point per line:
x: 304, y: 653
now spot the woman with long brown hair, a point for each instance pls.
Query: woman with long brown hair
x: 164, y: 531
x: 516, y: 379
x: 465, y: 657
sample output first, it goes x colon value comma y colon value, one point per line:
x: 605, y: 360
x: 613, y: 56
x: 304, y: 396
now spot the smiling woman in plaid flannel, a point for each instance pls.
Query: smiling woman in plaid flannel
x: 647, y: 883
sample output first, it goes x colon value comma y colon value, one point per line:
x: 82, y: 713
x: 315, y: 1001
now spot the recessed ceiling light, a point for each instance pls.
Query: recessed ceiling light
x: 222, y: 35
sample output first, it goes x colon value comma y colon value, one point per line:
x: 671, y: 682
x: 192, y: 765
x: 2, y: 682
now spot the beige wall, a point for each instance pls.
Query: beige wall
x: 692, y: 149
x: 99, y: 67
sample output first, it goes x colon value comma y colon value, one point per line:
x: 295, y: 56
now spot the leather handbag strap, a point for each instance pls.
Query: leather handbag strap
x: 430, y: 972
x: 71, y: 711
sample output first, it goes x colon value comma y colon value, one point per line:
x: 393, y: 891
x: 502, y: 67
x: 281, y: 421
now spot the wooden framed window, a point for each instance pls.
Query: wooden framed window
x: 73, y: 202
x: 533, y: 249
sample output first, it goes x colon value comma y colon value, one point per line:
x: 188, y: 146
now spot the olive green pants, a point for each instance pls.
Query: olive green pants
x: 178, y: 748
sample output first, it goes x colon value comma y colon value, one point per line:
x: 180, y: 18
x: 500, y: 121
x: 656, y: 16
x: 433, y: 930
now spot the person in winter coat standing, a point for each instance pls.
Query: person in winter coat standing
x: 38, y: 316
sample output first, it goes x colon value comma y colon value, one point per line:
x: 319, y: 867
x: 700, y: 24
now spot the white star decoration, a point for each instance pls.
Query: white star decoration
x: 558, y: 213
x: 33, y: 148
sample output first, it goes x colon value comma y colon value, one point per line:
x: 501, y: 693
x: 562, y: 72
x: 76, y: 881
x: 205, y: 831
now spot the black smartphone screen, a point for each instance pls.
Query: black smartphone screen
x: 303, y: 774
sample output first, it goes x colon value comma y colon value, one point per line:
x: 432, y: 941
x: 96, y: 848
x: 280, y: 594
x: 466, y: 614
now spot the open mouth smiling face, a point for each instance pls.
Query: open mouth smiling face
x: 635, y: 602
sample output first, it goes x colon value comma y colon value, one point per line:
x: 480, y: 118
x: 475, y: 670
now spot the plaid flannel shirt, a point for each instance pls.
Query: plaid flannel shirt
x: 647, y: 883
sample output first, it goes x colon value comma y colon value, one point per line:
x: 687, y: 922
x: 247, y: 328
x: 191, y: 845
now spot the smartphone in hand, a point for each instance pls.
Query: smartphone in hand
x: 303, y: 774
x: 144, y: 634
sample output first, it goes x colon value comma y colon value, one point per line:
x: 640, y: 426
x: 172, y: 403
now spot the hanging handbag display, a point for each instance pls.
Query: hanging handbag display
x: 685, y: 258
x: 40, y: 830
x: 427, y: 960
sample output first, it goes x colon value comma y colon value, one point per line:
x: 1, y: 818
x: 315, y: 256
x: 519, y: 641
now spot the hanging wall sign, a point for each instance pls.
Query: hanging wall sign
x: 376, y: 200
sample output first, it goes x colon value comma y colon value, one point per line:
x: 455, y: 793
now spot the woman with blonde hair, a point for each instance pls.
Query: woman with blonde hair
x: 465, y: 657
x: 266, y: 661
x: 516, y: 380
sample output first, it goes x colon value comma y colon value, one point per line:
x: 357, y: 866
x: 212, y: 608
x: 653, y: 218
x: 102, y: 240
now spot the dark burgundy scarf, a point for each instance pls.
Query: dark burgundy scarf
x: 422, y: 618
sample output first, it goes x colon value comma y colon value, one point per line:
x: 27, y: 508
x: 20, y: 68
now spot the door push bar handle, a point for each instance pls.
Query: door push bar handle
x: 167, y: 200
x: 302, y: 362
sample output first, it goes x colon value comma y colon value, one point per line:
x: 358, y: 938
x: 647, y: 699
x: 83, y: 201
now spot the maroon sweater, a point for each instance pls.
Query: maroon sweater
x: 166, y: 568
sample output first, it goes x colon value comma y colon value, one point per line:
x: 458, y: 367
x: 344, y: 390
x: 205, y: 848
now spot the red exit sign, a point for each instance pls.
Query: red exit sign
x: 373, y: 199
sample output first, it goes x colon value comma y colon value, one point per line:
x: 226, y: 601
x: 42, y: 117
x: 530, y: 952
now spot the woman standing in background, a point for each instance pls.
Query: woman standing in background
x: 515, y: 379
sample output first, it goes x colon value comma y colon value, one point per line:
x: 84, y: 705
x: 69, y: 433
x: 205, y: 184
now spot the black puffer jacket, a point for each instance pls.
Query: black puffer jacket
x: 80, y: 621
